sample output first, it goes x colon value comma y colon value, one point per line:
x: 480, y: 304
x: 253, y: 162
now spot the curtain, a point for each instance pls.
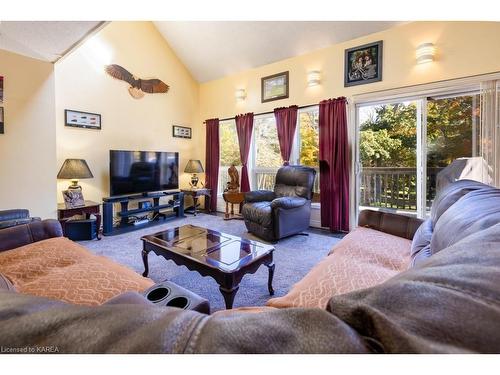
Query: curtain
x: 490, y: 131
x: 334, y: 164
x: 212, y: 160
x: 244, y: 126
x: 286, y: 123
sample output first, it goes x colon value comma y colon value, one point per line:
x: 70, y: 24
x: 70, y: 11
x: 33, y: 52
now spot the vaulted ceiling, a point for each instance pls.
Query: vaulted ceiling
x: 214, y: 49
x: 43, y: 40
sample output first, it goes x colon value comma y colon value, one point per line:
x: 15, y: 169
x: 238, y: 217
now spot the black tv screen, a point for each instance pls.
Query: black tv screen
x: 142, y: 171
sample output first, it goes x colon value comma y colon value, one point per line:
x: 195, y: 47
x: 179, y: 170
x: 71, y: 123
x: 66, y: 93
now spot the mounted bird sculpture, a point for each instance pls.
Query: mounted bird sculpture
x: 137, y: 86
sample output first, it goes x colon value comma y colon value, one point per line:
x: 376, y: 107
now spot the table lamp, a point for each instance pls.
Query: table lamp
x: 194, y: 166
x: 74, y: 170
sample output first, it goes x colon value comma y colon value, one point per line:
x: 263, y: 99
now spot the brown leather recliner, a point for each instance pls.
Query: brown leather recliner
x: 272, y: 215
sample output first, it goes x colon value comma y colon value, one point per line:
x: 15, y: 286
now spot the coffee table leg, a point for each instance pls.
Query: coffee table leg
x: 145, y: 261
x: 270, y: 267
x: 228, y: 295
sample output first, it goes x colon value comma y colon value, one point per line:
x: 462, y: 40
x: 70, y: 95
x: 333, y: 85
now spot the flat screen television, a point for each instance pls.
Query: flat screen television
x: 134, y: 172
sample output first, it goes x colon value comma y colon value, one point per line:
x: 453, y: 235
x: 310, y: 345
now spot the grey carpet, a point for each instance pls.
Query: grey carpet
x: 294, y: 257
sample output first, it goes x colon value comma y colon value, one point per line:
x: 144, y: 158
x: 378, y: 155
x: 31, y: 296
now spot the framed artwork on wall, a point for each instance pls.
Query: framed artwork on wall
x: 181, y: 132
x: 274, y: 87
x: 1, y: 120
x: 85, y: 120
x: 363, y: 64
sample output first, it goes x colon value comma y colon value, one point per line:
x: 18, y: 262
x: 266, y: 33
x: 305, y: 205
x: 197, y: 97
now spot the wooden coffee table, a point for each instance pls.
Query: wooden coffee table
x: 223, y: 257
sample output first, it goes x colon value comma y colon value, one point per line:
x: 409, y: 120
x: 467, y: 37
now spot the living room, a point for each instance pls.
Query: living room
x: 189, y: 178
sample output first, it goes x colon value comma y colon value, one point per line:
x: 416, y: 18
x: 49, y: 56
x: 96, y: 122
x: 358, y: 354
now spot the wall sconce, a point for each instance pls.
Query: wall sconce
x: 313, y: 78
x: 425, y: 53
x: 240, y: 95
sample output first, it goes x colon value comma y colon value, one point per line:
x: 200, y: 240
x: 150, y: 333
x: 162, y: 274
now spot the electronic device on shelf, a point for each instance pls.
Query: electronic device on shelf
x: 133, y: 172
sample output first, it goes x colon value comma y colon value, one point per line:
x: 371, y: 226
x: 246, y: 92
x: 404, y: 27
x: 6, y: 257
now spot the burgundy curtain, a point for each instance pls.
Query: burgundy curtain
x: 334, y: 164
x: 286, y: 123
x: 212, y: 159
x: 244, y: 126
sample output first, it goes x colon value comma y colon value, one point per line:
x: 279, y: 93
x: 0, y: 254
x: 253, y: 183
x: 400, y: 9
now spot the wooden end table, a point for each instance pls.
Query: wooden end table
x: 196, y: 193
x: 89, y: 208
x: 232, y: 198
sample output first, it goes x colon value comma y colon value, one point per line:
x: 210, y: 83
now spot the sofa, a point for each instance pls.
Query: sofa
x: 10, y: 218
x: 273, y: 215
x: 38, y: 260
x: 387, y: 244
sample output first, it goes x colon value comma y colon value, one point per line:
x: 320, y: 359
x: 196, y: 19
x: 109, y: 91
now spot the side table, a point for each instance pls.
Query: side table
x: 63, y: 214
x: 232, y: 198
x: 196, y: 193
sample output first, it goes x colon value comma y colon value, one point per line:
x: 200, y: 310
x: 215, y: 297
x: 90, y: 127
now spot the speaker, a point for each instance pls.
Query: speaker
x: 80, y: 230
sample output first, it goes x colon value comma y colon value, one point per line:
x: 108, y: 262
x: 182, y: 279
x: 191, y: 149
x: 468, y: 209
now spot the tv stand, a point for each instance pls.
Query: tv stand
x: 161, y: 212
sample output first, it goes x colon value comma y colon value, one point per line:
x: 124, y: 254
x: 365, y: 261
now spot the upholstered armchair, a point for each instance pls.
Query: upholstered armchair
x: 272, y: 215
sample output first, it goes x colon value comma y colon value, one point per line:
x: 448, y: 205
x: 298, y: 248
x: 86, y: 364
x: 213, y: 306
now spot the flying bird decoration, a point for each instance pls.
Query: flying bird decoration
x: 137, y: 86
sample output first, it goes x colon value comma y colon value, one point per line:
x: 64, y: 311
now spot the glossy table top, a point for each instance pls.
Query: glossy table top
x: 215, y: 249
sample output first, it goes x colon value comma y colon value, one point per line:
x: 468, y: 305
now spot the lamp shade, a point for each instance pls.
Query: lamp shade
x: 194, y: 166
x: 74, y: 169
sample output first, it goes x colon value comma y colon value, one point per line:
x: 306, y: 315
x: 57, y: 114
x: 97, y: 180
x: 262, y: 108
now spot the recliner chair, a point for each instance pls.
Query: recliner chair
x: 272, y: 215
x: 11, y: 218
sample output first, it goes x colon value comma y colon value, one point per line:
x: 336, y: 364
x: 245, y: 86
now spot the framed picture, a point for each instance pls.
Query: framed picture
x: 1, y: 90
x: 73, y: 198
x: 181, y: 131
x: 1, y: 120
x: 274, y: 87
x: 84, y: 120
x: 363, y: 64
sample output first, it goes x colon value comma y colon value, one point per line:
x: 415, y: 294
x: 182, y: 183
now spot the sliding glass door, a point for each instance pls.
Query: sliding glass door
x: 404, y: 146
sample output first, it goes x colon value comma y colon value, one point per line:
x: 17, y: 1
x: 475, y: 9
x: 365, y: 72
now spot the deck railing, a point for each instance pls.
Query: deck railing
x: 392, y: 188
x: 395, y: 188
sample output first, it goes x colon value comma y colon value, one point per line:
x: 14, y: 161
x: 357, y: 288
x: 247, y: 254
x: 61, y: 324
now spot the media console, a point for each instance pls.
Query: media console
x: 128, y: 218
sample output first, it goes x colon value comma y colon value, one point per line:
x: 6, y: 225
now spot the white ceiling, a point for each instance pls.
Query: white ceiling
x: 43, y: 40
x: 212, y: 50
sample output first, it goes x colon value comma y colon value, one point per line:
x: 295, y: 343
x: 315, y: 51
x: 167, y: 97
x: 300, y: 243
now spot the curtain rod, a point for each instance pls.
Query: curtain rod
x: 266, y: 113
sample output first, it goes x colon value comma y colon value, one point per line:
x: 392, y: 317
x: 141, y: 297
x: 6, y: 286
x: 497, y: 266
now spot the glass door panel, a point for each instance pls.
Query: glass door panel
x: 452, y: 133
x: 388, y: 157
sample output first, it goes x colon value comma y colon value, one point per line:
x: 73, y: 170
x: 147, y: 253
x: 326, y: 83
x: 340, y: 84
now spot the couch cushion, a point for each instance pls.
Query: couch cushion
x: 473, y: 212
x: 364, y: 258
x: 61, y: 269
x: 259, y: 213
x: 421, y: 243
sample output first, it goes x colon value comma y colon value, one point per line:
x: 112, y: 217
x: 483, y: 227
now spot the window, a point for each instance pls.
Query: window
x: 308, y: 142
x: 405, y: 145
x: 266, y: 153
x: 229, y: 151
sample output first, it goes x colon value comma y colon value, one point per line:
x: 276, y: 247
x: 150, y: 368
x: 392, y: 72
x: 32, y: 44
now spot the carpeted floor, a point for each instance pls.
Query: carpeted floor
x: 294, y: 257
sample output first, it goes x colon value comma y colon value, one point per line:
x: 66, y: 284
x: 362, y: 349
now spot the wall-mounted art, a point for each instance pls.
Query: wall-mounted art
x: 181, y: 131
x: 1, y: 120
x: 137, y: 86
x: 363, y: 64
x: 1, y: 90
x: 84, y: 120
x: 274, y: 87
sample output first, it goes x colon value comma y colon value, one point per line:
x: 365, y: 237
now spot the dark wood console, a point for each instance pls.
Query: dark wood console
x: 126, y: 217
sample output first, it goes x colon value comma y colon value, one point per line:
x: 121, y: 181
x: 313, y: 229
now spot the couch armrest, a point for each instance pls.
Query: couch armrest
x: 8, y: 215
x: 259, y: 196
x: 288, y: 202
x: 395, y: 224
x: 24, y: 234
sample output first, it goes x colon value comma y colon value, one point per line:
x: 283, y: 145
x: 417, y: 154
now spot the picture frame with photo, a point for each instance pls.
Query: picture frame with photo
x: 363, y: 64
x: 73, y: 198
x: 275, y: 87
x: 84, y: 120
x: 181, y: 132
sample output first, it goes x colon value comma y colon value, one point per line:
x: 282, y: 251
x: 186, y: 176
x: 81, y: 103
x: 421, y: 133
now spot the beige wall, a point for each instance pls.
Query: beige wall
x: 463, y: 49
x: 127, y: 123
x: 28, y: 147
